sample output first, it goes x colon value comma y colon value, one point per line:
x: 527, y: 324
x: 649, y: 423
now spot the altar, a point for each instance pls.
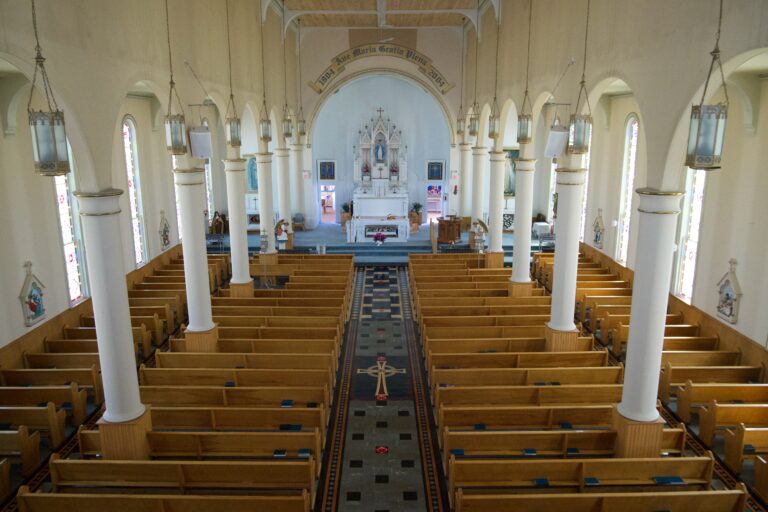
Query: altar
x: 380, y: 199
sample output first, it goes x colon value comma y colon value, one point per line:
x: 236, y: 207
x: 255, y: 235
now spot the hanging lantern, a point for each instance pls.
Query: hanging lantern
x: 525, y: 122
x: 176, y: 134
x: 705, y: 140
x: 557, y: 139
x: 474, y: 120
x: 49, y: 137
x: 707, y: 131
x: 265, y: 127
x: 287, y: 123
x: 579, y: 134
x: 301, y: 123
x: 232, y: 124
x: 460, y: 121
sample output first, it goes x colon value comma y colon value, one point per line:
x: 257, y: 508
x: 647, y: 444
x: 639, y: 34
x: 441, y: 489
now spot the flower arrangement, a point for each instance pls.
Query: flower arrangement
x: 393, y: 168
x: 379, y: 238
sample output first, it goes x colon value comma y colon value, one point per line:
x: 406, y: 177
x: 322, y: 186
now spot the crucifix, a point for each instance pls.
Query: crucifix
x: 380, y: 111
x: 381, y: 370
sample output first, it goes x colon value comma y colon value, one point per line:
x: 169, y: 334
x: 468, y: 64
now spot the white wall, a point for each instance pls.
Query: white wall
x: 413, y: 110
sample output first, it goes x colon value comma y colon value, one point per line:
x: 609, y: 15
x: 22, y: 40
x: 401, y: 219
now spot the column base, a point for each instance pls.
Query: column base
x: 494, y: 260
x: 241, y: 290
x: 561, y: 341
x: 202, y: 341
x: 637, y: 439
x: 126, y: 440
x: 520, y: 289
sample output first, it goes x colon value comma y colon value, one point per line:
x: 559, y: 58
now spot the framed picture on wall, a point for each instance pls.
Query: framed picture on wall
x: 509, y: 173
x: 327, y: 169
x: 252, y: 175
x: 435, y: 170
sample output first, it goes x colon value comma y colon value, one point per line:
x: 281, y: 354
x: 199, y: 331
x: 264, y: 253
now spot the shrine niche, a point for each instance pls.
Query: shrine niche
x: 729, y: 295
x: 164, y: 231
x: 380, y: 176
x: 31, y: 297
x: 598, y: 229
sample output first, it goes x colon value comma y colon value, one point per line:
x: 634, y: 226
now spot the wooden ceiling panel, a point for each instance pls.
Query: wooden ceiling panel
x: 339, y: 20
x: 330, y: 5
x: 425, y: 20
x: 423, y: 5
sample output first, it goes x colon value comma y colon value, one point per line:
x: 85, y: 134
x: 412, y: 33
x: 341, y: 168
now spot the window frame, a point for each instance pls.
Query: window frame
x: 627, y: 187
x: 687, y: 212
x: 141, y: 245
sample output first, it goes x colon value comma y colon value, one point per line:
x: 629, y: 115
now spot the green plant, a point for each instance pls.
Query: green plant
x: 346, y: 207
x: 416, y: 207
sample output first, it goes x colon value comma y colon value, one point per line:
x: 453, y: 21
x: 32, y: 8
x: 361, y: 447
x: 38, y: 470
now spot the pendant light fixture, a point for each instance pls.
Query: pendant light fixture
x: 175, y: 124
x: 231, y: 122
x: 707, y: 131
x: 494, y: 119
x: 287, y: 121
x: 49, y: 138
x: 301, y: 123
x: 580, y: 126
x: 460, y: 119
x: 525, y: 117
x: 265, y: 127
x: 474, y: 118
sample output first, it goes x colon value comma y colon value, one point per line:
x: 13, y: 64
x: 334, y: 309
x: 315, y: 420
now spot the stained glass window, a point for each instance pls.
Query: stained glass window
x: 689, y: 240
x: 627, y: 188
x: 134, y: 189
x: 71, y: 239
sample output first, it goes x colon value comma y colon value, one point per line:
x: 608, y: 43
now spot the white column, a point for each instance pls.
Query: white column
x: 570, y: 189
x: 234, y: 169
x: 452, y: 206
x: 521, y: 255
x: 100, y: 218
x: 266, y: 210
x: 190, y: 185
x: 479, y: 155
x: 284, y: 187
x: 465, y: 180
x: 496, y: 202
x: 653, y: 270
x: 297, y: 164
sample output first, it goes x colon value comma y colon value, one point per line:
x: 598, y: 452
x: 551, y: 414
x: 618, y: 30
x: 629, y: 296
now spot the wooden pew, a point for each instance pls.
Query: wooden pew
x: 573, y: 394
x: 238, y: 418
x: 219, y: 445
x: 620, y: 474
x: 700, y: 501
x: 87, y: 377
x: 672, y: 377
x: 715, y: 417
x: 518, y: 359
x: 237, y: 360
x: 142, y: 336
x: 22, y: 445
x: 58, y: 395
x: 43, y: 418
x: 46, y: 502
x: 761, y: 477
x: 693, y: 395
x: 217, y: 396
x: 65, y: 360
x: 744, y: 442
x: 185, y: 477
x: 546, y: 444
x: 247, y: 377
x: 268, y: 346
x: 700, y: 357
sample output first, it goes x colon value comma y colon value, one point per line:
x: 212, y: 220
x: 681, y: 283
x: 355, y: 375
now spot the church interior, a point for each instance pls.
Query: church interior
x: 449, y: 255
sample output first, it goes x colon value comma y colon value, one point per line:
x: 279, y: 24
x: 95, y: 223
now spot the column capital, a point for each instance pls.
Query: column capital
x: 184, y: 177
x: 567, y: 176
x: 97, y: 204
x: 282, y: 152
x: 525, y: 164
x: 479, y: 150
x: 465, y: 146
x: 658, y: 202
x: 264, y: 158
x: 234, y: 165
x: 498, y: 156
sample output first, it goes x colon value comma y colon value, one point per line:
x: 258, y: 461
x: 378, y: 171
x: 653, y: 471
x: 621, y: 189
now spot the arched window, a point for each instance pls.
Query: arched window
x: 134, y: 189
x: 208, y: 183
x: 689, y: 235
x: 552, y: 191
x: 176, y: 198
x: 71, y: 235
x: 627, y: 187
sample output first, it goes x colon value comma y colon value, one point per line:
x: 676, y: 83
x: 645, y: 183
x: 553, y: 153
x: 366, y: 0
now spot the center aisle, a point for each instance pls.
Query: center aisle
x: 380, y: 451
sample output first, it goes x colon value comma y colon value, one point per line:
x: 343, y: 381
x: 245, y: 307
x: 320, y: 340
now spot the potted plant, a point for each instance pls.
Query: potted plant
x: 346, y: 216
x: 416, y: 216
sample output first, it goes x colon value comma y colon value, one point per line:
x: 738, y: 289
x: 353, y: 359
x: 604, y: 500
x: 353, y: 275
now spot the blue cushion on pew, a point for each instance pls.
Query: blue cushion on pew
x: 591, y: 481
x: 240, y: 366
x: 42, y: 404
x: 30, y: 385
x: 312, y: 405
x: 305, y: 452
x: 539, y: 383
x: 286, y: 403
x: 529, y: 452
x: 229, y: 384
x: 572, y: 451
x: 488, y: 351
x: 294, y: 427
x: 555, y: 383
x: 737, y: 401
x: 280, y: 452
x: 459, y: 452
x: 749, y: 449
x: 566, y: 425
x: 479, y: 426
x: 668, y: 480
x: 5, y: 426
x: 541, y: 482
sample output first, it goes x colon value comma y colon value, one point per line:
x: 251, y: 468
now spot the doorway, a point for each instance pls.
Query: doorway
x: 328, y: 204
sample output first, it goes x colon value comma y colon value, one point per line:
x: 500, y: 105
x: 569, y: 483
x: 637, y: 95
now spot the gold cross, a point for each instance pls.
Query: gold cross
x: 381, y: 370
